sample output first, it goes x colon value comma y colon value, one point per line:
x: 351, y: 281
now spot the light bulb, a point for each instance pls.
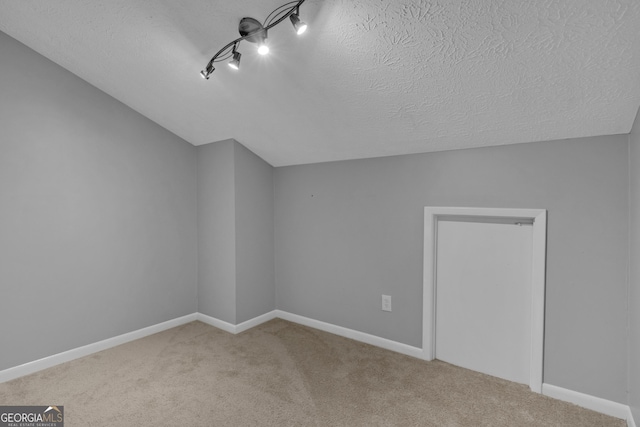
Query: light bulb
x: 263, y: 49
x: 302, y: 28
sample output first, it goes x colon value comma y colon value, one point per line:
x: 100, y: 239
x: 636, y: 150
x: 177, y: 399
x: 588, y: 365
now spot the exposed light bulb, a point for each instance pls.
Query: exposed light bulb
x: 263, y: 49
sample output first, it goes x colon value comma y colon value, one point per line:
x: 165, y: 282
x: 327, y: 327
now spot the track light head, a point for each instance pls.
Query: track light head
x: 300, y: 26
x: 207, y: 71
x: 235, y: 62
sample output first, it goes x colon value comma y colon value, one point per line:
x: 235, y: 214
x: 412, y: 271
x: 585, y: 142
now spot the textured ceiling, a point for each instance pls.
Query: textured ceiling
x: 370, y: 78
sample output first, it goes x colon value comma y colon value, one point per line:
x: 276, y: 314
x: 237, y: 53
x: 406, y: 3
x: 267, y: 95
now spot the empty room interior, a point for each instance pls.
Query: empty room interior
x: 304, y: 239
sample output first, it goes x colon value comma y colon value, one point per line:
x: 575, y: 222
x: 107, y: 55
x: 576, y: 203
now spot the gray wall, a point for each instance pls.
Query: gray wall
x: 235, y: 239
x: 347, y: 232
x: 97, y: 213
x: 255, y: 280
x: 217, y: 231
x: 634, y: 271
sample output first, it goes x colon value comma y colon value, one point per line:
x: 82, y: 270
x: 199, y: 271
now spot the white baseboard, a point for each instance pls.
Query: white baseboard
x: 76, y: 353
x: 216, y: 323
x: 56, y: 359
x: 252, y: 323
x: 235, y: 329
x: 312, y: 323
x: 350, y: 333
x: 597, y: 404
x: 630, y: 421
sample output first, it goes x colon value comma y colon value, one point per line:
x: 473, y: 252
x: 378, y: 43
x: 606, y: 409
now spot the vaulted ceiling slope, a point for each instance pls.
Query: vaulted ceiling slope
x: 370, y: 78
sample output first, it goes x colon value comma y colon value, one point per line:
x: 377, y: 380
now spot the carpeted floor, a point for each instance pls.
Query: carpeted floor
x: 280, y: 374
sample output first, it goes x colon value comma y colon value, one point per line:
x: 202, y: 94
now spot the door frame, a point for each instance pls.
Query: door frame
x: 538, y: 273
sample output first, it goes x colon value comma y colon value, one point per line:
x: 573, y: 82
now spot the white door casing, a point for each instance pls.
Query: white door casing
x: 538, y: 255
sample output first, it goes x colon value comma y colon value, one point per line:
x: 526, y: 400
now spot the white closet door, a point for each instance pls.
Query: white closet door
x: 483, y: 297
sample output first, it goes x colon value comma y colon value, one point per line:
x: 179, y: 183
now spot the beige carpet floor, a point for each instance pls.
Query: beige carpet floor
x: 280, y: 374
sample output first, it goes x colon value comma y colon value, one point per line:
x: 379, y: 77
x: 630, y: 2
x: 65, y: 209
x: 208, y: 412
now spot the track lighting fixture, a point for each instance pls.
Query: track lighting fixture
x: 255, y: 31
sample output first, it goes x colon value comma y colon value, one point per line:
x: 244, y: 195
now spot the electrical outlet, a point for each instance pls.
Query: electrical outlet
x: 386, y: 302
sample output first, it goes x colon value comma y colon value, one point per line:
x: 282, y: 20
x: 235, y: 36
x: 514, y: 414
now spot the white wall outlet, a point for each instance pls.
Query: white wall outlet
x: 386, y: 302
